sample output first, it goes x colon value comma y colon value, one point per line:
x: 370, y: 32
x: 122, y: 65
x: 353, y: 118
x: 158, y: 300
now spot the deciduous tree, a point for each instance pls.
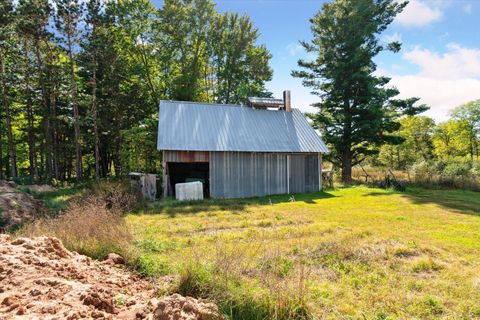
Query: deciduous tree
x: 470, y: 114
x: 240, y: 66
x: 417, y: 133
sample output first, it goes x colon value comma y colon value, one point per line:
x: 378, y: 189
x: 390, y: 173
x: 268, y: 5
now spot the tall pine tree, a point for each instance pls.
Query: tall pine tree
x: 7, y: 44
x: 67, y: 19
x: 357, y: 112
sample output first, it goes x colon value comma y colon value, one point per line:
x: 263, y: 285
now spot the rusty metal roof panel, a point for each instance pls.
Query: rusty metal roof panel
x: 216, y: 127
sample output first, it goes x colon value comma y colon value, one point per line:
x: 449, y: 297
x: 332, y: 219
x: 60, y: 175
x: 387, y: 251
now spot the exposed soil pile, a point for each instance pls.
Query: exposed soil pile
x: 40, y: 279
x: 16, y: 207
x: 177, y: 307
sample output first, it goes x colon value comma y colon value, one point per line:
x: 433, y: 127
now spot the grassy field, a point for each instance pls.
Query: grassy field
x: 349, y: 253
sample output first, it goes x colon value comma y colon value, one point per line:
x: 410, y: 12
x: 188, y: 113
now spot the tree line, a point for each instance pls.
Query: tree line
x: 81, y: 81
x: 451, y: 146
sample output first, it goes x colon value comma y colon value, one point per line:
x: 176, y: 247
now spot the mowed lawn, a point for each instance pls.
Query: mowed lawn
x: 357, y: 252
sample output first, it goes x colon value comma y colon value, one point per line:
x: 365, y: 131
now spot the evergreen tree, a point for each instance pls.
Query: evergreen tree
x: 357, y: 113
x: 6, y: 45
x: 66, y: 20
x: 94, y: 22
x: 31, y: 28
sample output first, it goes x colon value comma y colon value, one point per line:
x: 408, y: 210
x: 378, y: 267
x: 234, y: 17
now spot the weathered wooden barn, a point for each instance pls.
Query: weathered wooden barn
x: 238, y: 151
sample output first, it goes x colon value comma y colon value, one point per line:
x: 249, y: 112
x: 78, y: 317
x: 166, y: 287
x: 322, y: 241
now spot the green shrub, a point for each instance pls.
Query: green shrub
x: 476, y: 168
x: 150, y: 266
x: 457, y: 174
x: 457, y: 168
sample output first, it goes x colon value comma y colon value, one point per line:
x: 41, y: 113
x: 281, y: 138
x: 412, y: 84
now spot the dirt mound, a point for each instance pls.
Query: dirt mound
x: 40, y: 279
x: 16, y: 207
x: 177, y: 307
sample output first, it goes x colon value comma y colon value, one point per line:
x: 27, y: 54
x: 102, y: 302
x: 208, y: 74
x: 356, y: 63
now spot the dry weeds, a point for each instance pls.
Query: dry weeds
x: 92, y: 225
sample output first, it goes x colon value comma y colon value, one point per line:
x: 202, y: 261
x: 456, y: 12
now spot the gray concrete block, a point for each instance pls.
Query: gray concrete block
x: 145, y: 183
x: 189, y: 191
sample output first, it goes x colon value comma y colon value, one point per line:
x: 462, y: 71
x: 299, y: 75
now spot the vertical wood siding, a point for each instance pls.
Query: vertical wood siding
x: 241, y: 174
x: 185, y: 156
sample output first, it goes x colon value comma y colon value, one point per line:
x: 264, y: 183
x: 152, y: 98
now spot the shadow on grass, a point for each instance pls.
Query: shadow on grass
x: 55, y: 201
x: 461, y: 201
x: 173, y: 207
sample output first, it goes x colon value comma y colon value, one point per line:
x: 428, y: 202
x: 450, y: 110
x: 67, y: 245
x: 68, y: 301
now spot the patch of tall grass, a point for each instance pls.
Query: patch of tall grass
x: 93, y: 223
x: 242, y: 288
x: 428, y: 174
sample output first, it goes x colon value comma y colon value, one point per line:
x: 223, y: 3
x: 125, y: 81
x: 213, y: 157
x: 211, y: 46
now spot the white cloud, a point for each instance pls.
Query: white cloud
x: 442, y: 95
x: 294, y: 48
x: 418, y: 13
x: 467, y: 8
x: 457, y: 63
x: 444, y: 81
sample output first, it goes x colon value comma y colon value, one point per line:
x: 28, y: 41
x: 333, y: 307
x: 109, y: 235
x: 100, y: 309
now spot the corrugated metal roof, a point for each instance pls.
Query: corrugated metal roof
x: 216, y: 127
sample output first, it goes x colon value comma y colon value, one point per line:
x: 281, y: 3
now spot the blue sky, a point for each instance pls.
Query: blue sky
x: 439, y: 61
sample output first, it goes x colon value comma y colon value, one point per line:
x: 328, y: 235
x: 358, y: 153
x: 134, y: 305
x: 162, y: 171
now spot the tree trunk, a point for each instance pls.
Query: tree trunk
x: 51, y: 130
x: 95, y: 118
x: 76, y: 115
x: 227, y: 94
x: 472, y: 143
x: 6, y: 107
x: 476, y: 148
x: 144, y: 59
x: 347, y: 144
x: 42, y: 157
x: 1, y: 135
x: 1, y: 147
x: 46, y: 116
x: 347, y: 166
x: 53, y: 115
x: 32, y: 154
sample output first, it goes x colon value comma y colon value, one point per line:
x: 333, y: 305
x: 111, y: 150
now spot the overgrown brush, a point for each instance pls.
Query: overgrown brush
x: 92, y: 224
x: 118, y: 195
x: 245, y: 290
x: 452, y: 174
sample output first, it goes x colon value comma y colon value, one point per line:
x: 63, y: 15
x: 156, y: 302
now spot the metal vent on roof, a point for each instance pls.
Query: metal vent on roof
x: 262, y: 103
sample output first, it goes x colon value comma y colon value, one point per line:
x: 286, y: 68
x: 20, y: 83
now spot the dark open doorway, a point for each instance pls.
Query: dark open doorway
x: 180, y: 172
